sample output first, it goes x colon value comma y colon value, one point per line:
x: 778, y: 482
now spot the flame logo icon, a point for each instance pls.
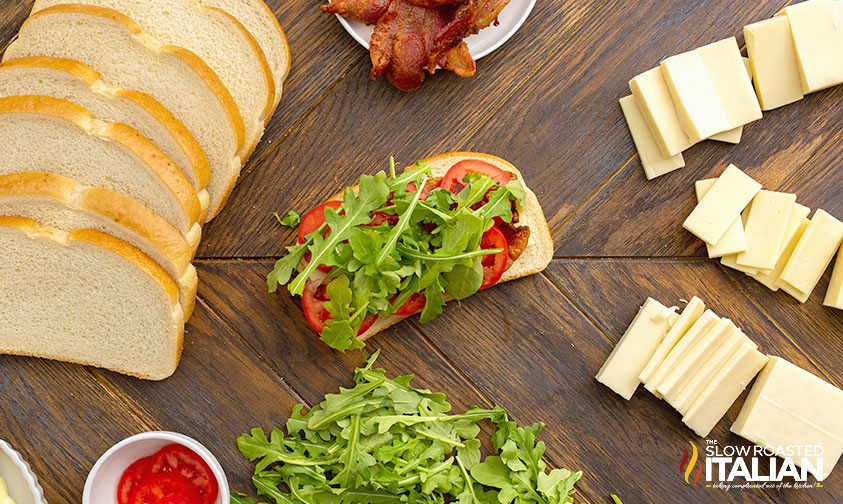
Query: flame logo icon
x: 686, y: 467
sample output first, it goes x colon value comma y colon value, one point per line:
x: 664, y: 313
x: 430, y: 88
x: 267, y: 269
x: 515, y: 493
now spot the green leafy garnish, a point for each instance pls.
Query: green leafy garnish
x: 291, y: 220
x: 383, y: 441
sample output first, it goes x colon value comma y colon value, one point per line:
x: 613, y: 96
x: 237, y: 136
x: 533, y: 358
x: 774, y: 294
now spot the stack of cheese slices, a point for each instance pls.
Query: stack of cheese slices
x: 706, y: 94
x: 124, y: 125
x: 700, y: 363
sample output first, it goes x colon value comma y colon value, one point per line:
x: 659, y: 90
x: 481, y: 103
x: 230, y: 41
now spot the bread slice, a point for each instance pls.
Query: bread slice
x: 60, y: 202
x: 263, y: 25
x: 125, y: 56
x: 86, y: 297
x: 214, y: 36
x: 41, y: 133
x: 76, y: 82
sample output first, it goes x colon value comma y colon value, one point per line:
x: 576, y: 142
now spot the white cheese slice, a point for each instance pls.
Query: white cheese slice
x: 734, y: 240
x: 693, y: 359
x: 817, y: 33
x: 721, y: 205
x: 795, y: 227
x: 700, y: 113
x: 650, y: 92
x: 652, y: 159
x: 635, y: 348
x: 727, y: 73
x: 812, y: 255
x: 733, y: 136
x: 723, y: 389
x: 790, y: 407
x: 834, y: 294
x: 689, y: 315
x: 775, y: 71
x: 765, y: 230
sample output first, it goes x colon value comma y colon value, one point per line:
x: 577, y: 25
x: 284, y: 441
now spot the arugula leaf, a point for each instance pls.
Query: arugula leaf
x: 463, y: 281
x: 615, y: 499
x: 285, y: 267
x: 291, y: 220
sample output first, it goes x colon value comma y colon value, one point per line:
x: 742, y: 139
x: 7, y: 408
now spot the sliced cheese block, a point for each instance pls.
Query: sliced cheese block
x: 732, y: 136
x: 653, y: 98
x: 771, y: 278
x: 635, y: 348
x: 60, y: 202
x: 111, y: 155
x: 694, y: 358
x: 689, y: 316
x: 727, y: 73
x: 721, y: 205
x: 723, y: 389
x: 654, y: 163
x: 765, y: 230
x: 731, y: 260
x: 790, y: 407
x: 834, y: 295
x: 772, y: 57
x: 812, y: 255
x: 86, y: 297
x: 700, y: 112
x: 173, y: 76
x: 817, y: 33
x: 80, y: 84
x: 734, y: 240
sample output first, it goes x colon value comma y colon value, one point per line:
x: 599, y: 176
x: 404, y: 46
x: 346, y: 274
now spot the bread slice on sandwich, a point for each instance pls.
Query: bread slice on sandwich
x: 214, y: 36
x: 76, y: 82
x: 86, y: 297
x: 62, y: 203
x: 125, y: 56
x: 48, y: 134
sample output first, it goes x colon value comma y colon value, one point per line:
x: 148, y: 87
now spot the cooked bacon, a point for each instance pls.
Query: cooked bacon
x: 516, y: 239
x: 430, y: 4
x: 468, y: 20
x: 365, y: 11
x: 458, y: 60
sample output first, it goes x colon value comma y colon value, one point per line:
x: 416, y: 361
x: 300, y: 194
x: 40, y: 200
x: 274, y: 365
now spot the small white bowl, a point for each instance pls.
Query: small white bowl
x: 101, y: 485
x: 22, y: 483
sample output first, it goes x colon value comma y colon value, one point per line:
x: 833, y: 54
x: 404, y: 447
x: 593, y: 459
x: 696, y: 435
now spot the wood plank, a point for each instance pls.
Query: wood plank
x: 11, y: 17
x: 362, y: 122
x: 588, y: 281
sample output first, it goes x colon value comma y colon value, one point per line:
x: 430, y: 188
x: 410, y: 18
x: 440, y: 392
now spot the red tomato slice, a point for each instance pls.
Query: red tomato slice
x: 493, y: 265
x: 183, y: 461
x: 311, y: 223
x: 313, y: 303
x: 457, y: 173
x: 157, y: 486
x: 132, y: 477
x: 379, y: 218
x: 413, y: 305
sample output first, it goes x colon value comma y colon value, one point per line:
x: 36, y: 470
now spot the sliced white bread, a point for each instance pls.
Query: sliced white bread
x: 86, y: 297
x: 214, y: 36
x: 41, y: 133
x: 125, y: 56
x: 60, y: 202
x: 261, y: 22
x: 76, y: 82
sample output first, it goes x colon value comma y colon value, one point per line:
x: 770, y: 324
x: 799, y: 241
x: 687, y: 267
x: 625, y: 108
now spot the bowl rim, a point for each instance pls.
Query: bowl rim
x: 26, y: 471
x: 174, y: 437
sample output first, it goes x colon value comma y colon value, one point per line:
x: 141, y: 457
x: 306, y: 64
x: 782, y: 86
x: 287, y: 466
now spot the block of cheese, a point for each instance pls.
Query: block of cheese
x: 791, y: 407
x: 765, y: 230
x: 689, y: 315
x: 834, y: 294
x: 688, y: 340
x: 775, y: 71
x: 733, y: 87
x: 700, y: 113
x: 817, y: 33
x: 812, y: 255
x: 723, y: 389
x: 693, y: 359
x: 701, y: 378
x: 795, y: 227
x: 721, y: 205
x: 652, y: 159
x: 734, y: 240
x: 656, y: 105
x: 635, y: 348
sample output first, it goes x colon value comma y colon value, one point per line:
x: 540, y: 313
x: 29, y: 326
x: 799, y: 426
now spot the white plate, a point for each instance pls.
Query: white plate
x: 480, y: 44
x: 22, y: 483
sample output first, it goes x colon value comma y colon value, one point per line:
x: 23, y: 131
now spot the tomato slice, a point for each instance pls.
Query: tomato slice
x: 161, y: 485
x: 313, y: 304
x: 455, y: 175
x: 413, y: 305
x: 181, y: 460
x: 379, y: 218
x: 132, y: 477
x: 493, y: 265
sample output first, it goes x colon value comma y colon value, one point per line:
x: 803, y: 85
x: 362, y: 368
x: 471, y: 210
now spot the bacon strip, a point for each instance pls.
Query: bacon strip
x: 430, y: 4
x: 458, y: 60
x: 365, y: 11
x: 517, y: 238
x: 468, y: 20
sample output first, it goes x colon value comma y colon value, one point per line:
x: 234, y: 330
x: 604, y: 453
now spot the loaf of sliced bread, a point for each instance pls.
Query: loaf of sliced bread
x: 215, y: 37
x: 76, y: 82
x: 261, y: 22
x: 41, y: 133
x: 86, y: 297
x: 125, y: 56
x: 62, y: 203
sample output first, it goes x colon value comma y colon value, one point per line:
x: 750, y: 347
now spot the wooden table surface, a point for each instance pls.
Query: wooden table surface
x: 546, y: 101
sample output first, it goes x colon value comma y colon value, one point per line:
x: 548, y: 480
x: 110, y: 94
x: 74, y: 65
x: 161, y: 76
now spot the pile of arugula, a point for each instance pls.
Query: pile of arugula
x: 384, y: 442
x: 434, y: 248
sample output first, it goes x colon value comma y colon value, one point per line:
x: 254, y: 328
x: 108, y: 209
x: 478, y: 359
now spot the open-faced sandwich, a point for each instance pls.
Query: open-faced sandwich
x: 402, y: 243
